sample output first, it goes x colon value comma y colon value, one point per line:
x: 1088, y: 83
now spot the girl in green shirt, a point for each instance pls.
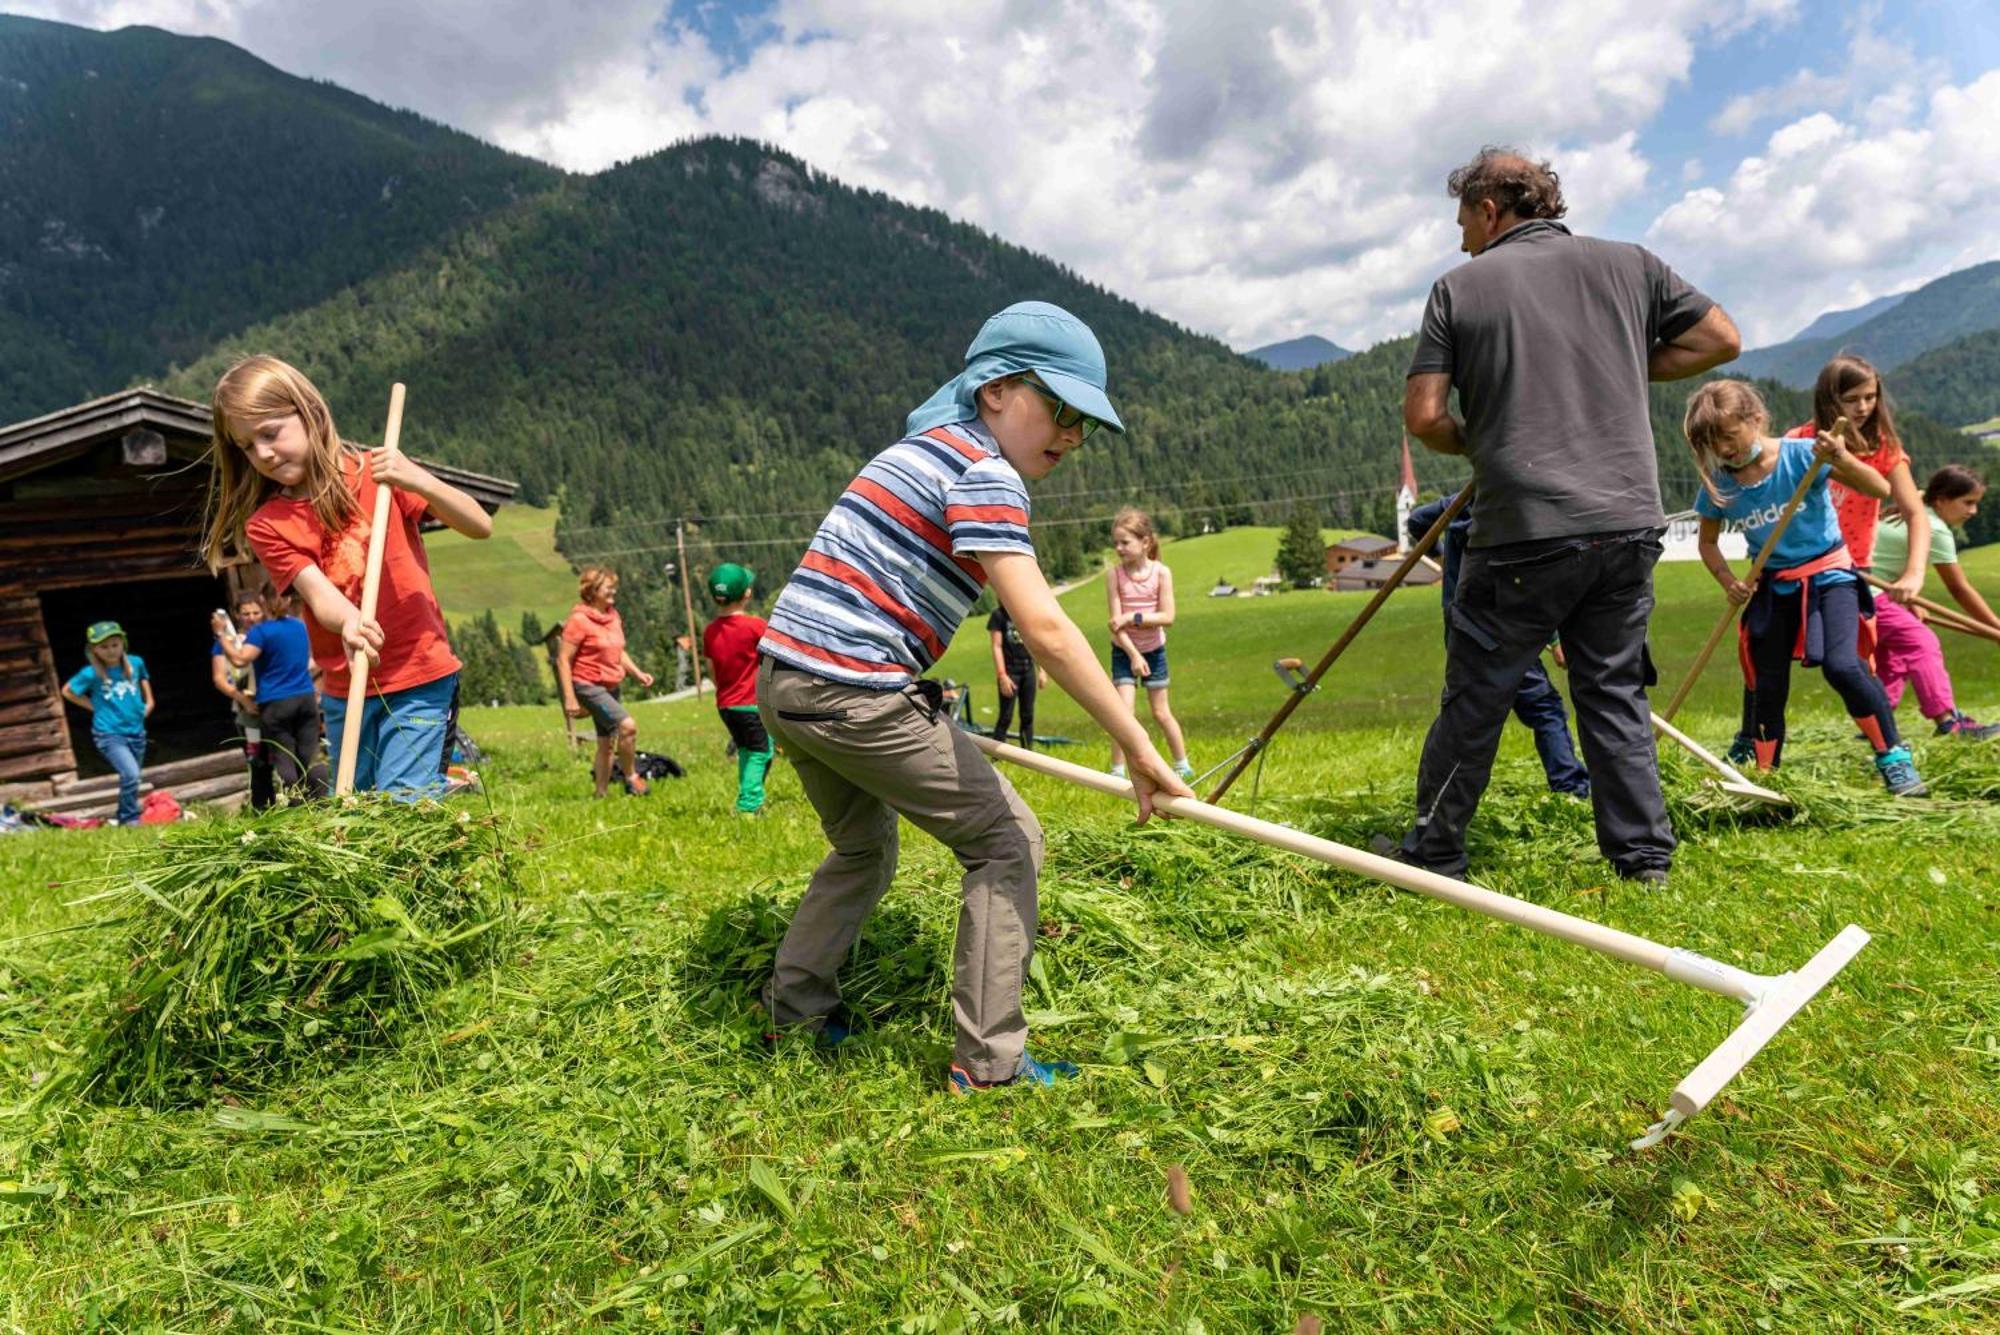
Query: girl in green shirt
x: 1906, y: 650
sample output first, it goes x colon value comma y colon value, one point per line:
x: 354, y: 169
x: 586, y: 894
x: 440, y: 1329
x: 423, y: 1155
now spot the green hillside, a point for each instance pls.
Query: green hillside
x: 1957, y: 383
x: 158, y: 192
x: 718, y: 331
x: 516, y: 570
x: 1963, y: 302
x: 1392, y: 1114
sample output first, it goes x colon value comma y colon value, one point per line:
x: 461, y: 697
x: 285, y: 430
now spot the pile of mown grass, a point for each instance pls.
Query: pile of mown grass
x: 253, y: 949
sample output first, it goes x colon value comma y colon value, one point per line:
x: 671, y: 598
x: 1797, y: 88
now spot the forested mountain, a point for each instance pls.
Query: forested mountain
x: 717, y: 330
x: 1957, y: 383
x: 714, y: 330
x: 158, y: 192
x: 1960, y: 303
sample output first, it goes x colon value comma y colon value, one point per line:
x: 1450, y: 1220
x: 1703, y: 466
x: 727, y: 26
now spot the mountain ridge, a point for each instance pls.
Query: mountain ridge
x: 1300, y: 354
x: 1948, y: 307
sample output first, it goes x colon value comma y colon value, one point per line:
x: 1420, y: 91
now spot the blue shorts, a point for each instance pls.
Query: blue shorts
x: 405, y: 738
x: 1156, y: 668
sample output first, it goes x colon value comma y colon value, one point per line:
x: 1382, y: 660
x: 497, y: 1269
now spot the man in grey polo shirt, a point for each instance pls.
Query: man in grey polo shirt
x: 1549, y: 340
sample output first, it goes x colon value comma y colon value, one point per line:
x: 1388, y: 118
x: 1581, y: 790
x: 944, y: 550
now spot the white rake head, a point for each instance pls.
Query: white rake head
x: 1773, y: 1002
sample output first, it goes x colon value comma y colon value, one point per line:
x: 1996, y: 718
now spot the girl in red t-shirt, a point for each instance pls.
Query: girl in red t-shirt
x: 285, y: 485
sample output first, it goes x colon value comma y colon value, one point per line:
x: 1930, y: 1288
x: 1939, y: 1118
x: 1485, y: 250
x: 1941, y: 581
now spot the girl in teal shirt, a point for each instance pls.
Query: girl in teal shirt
x: 116, y: 691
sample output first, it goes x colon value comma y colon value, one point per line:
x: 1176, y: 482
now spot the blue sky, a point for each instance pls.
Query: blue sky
x: 1960, y: 38
x: 1256, y: 169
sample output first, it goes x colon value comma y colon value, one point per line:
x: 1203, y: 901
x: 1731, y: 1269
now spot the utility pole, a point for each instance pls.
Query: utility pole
x: 687, y: 603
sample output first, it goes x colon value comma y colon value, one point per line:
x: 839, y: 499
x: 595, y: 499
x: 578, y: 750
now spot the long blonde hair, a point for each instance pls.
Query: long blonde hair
x: 1715, y: 413
x: 97, y: 660
x: 254, y: 390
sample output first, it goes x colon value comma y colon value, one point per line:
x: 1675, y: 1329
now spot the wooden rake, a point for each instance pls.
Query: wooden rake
x: 1301, y: 687
x: 1948, y: 617
x: 371, y: 591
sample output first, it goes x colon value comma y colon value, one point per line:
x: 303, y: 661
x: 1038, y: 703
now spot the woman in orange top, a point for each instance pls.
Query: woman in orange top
x: 591, y: 664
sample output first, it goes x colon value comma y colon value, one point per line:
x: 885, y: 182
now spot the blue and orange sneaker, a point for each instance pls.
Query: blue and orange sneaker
x: 1031, y: 1072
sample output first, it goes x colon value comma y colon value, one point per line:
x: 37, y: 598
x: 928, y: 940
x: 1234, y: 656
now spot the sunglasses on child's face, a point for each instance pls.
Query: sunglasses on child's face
x: 1066, y: 416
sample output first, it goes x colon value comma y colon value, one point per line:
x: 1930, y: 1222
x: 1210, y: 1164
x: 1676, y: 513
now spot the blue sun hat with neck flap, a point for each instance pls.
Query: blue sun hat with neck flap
x: 1027, y: 336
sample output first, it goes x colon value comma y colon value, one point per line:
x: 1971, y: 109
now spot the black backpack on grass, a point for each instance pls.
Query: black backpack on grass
x: 652, y: 765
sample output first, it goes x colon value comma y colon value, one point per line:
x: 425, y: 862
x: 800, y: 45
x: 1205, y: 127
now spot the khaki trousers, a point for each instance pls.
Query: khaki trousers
x: 863, y: 757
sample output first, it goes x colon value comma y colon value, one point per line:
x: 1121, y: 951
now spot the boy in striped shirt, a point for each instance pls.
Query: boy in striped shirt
x: 891, y: 573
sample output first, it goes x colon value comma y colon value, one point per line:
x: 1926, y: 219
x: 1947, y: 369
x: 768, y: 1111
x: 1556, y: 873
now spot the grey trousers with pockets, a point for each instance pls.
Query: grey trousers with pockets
x: 864, y: 757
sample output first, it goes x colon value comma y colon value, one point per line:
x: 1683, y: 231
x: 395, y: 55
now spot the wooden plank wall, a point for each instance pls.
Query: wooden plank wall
x: 34, y: 736
x: 98, y: 536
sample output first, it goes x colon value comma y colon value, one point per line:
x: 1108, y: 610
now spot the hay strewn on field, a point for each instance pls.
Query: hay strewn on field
x: 305, y: 935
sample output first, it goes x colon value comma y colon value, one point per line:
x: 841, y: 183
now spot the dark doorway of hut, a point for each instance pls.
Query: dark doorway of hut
x: 166, y: 623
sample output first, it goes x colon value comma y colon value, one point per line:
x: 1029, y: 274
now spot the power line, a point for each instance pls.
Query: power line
x: 1035, y: 524
x: 1053, y: 498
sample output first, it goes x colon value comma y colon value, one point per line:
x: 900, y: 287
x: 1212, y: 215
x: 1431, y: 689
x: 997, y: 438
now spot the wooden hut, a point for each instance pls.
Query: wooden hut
x: 100, y: 518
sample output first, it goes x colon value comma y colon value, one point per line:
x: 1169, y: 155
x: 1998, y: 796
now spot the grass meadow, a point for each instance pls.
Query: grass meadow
x: 1392, y: 1114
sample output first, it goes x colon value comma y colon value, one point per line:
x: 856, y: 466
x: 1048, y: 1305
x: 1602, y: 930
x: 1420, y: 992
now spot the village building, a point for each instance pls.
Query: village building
x: 100, y: 519
x: 1348, y: 551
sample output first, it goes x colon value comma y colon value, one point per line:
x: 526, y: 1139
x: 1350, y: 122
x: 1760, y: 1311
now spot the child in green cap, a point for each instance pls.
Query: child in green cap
x: 730, y: 644
x: 115, y: 690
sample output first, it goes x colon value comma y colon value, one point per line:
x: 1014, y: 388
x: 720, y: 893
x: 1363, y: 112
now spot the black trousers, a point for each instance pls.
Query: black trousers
x: 1596, y: 592
x: 1024, y: 696
x: 262, y: 792
x: 291, y: 742
x: 1771, y: 655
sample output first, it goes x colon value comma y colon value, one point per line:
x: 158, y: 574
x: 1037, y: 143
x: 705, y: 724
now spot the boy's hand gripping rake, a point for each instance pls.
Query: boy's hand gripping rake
x: 371, y: 590
x: 1772, y: 1001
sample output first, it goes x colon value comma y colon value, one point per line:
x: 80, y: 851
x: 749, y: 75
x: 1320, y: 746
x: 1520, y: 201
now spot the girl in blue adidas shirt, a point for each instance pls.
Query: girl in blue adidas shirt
x: 114, y: 689
x: 1809, y: 602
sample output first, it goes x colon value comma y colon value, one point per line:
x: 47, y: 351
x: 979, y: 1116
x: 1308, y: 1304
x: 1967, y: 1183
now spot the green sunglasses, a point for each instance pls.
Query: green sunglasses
x: 1066, y: 416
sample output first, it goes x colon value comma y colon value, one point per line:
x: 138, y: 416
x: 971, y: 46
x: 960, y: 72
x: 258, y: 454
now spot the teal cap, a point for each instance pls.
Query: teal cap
x: 1027, y: 336
x: 100, y: 631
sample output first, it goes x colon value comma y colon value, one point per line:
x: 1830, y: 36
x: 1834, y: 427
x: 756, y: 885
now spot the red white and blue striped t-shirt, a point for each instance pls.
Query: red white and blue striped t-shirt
x: 892, y: 571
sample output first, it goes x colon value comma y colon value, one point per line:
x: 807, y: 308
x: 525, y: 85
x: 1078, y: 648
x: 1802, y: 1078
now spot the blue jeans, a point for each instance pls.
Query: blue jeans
x: 1156, y: 668
x: 1539, y: 705
x: 124, y: 752
x: 405, y: 738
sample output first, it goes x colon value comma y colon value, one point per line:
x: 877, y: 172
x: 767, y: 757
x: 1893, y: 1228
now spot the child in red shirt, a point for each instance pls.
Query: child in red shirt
x: 286, y: 485
x: 730, y: 644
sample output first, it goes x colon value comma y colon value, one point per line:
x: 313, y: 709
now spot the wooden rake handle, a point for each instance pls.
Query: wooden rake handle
x: 1734, y: 610
x: 371, y: 591
x: 1948, y: 617
x: 1305, y: 685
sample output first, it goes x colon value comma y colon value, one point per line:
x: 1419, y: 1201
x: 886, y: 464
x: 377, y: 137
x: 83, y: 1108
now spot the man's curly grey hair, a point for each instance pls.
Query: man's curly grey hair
x: 1515, y: 183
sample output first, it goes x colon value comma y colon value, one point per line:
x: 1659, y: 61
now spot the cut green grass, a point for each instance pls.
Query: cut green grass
x: 1391, y: 1113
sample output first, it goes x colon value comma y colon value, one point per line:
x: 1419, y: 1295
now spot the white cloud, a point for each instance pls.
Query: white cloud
x: 1258, y: 170
x: 1835, y: 212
